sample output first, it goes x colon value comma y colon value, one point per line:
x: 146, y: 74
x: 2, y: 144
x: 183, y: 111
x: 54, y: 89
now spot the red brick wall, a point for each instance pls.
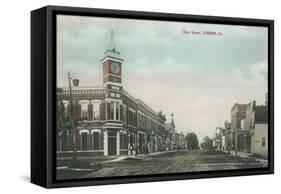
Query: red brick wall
x: 112, y: 79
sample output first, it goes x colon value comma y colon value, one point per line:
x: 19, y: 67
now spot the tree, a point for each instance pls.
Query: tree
x: 63, y: 122
x: 191, y: 141
x: 207, y: 143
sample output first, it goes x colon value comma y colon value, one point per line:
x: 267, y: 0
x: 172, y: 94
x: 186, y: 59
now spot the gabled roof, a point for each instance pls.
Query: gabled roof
x: 240, y: 107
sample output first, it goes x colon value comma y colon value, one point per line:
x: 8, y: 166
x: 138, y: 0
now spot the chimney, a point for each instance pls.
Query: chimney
x: 75, y: 82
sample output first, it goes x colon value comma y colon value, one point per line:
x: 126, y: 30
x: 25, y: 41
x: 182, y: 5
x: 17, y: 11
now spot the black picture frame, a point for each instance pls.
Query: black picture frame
x: 43, y: 95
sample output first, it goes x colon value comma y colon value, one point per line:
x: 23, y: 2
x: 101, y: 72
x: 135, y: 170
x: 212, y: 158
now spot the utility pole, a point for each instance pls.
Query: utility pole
x: 236, y: 141
x: 71, y: 117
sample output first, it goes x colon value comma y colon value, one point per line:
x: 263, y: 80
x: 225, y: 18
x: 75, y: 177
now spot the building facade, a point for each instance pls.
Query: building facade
x: 219, y: 139
x: 256, y: 123
x: 248, y: 129
x: 228, y: 135
x: 238, y: 113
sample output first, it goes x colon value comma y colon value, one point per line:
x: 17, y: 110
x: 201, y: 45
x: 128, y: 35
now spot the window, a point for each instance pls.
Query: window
x: 263, y: 142
x: 84, y: 110
x: 96, y: 111
x: 111, y: 110
x: 114, y: 111
x: 117, y: 111
x: 84, y: 141
x: 134, y: 118
x: 131, y: 117
x: 121, y: 141
x: 142, y: 120
x: 96, y: 140
x: 117, y: 95
x: 115, y: 88
x: 138, y: 118
x: 125, y: 113
x: 147, y: 122
x: 112, y: 94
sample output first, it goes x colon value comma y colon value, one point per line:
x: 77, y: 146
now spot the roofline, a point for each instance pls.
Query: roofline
x: 146, y: 106
x: 237, y: 104
x: 129, y: 95
x: 82, y: 88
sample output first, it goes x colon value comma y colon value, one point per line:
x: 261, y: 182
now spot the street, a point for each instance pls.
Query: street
x: 169, y: 162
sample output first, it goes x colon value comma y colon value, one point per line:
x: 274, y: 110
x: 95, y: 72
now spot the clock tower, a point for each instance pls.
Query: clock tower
x: 112, y: 66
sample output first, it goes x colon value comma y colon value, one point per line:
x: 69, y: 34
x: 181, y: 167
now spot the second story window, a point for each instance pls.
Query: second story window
x: 112, y: 111
x: 84, y: 110
x: 132, y: 117
x: 96, y: 110
x: 117, y: 111
x: 125, y: 113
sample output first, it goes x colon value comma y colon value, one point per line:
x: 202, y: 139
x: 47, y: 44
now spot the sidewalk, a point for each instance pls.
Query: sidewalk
x: 246, y: 155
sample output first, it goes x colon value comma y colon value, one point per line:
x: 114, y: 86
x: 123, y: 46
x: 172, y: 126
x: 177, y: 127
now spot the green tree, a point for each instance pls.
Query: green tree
x: 191, y: 141
x: 63, y: 122
x: 207, y: 143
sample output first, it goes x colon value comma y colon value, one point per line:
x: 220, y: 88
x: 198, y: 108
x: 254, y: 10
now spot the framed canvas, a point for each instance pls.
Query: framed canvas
x: 126, y: 96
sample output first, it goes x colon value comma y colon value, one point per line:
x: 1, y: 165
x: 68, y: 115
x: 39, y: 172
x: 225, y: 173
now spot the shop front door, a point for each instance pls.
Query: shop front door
x: 112, y: 143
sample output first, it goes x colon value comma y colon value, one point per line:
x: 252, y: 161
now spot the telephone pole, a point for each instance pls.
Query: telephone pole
x: 71, y: 118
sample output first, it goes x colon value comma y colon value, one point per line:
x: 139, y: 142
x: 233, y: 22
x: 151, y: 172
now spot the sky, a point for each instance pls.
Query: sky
x: 171, y: 66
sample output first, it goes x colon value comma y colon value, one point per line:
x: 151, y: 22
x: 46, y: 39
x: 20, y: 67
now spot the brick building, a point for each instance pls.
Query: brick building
x: 108, y: 121
x: 256, y: 123
x: 250, y: 122
x: 238, y: 113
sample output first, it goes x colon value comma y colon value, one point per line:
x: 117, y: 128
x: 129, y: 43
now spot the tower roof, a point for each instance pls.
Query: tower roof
x: 112, y: 45
x: 112, y: 50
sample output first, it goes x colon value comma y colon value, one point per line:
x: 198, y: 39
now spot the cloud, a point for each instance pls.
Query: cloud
x: 196, y: 77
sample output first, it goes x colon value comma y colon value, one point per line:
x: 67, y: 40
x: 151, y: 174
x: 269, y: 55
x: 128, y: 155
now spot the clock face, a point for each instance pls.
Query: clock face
x: 115, y: 67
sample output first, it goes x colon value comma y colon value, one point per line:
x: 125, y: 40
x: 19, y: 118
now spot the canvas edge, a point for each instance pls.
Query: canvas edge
x: 50, y: 69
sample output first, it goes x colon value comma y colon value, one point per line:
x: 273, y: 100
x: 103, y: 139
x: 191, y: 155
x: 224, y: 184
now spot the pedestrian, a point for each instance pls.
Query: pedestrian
x: 136, y: 149
x: 131, y: 149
